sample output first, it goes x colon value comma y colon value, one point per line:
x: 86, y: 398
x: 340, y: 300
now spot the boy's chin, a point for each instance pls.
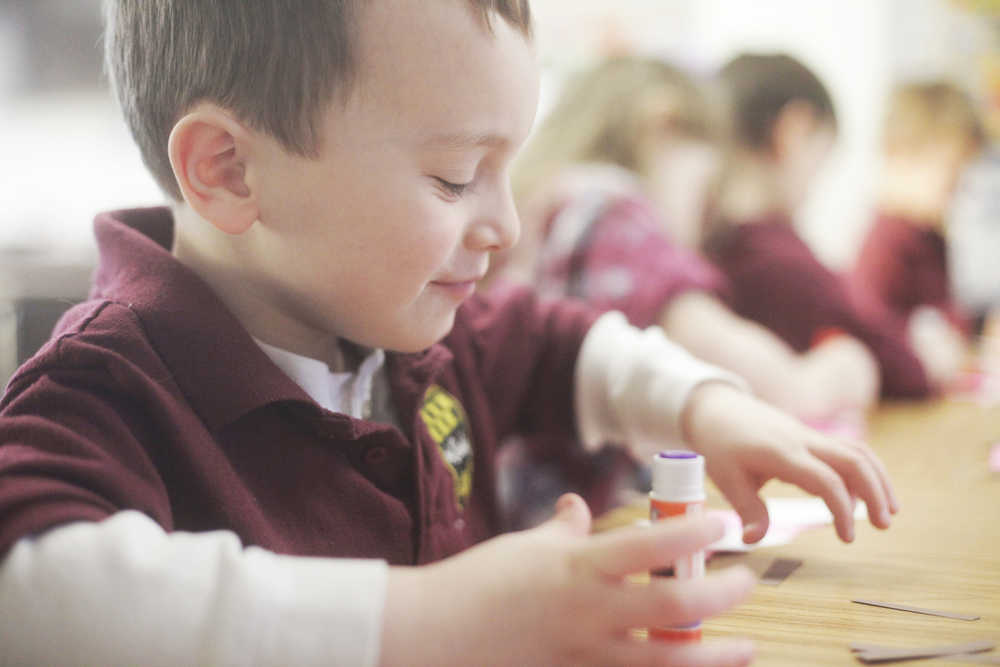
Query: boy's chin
x: 425, y: 337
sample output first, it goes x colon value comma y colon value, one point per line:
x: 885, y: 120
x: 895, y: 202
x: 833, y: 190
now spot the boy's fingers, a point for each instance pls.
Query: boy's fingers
x: 862, y: 480
x: 669, y: 601
x: 741, y: 493
x: 722, y: 654
x: 572, y: 515
x: 626, y: 551
x: 816, y: 477
x: 883, y: 474
x: 660, y: 654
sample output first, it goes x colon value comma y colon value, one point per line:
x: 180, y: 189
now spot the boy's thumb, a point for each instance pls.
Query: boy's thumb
x: 572, y: 514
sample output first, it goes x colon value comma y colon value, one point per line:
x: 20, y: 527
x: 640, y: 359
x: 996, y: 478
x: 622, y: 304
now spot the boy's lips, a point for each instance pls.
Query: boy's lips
x: 460, y: 279
x: 459, y: 288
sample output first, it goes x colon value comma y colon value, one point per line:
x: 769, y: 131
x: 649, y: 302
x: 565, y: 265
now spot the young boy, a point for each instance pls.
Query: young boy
x: 216, y: 459
x: 932, y: 131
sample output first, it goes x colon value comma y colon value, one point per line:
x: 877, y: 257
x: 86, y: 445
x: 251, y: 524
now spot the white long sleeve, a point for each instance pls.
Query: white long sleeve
x: 124, y: 592
x: 632, y: 385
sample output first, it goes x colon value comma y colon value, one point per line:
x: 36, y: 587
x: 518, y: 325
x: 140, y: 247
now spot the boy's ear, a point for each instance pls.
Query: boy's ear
x: 792, y: 128
x: 208, y: 153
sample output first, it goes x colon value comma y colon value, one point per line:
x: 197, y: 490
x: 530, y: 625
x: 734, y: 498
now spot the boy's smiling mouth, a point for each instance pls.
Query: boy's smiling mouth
x: 458, y: 288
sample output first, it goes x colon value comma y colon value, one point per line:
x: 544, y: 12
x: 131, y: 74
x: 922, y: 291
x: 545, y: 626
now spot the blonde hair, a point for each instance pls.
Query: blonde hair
x: 921, y: 112
x: 604, y: 115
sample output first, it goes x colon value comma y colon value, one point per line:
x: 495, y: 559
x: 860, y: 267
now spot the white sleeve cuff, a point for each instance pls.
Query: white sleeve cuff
x: 632, y: 385
x: 123, y: 592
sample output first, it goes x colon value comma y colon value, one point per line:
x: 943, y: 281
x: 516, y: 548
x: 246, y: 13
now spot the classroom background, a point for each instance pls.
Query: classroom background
x: 67, y: 154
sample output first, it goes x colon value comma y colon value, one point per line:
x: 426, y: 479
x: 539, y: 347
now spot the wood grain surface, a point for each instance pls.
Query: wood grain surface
x: 942, y: 552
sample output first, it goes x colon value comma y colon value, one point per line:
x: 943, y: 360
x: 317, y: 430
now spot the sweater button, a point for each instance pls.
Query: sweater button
x: 376, y: 455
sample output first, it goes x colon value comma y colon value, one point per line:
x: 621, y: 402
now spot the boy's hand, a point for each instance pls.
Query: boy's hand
x: 555, y: 595
x: 746, y: 442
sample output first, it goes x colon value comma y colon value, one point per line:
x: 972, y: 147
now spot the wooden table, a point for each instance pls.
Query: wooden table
x: 942, y: 552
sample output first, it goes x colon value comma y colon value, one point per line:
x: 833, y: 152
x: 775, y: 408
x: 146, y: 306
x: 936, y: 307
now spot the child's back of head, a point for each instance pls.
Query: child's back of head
x: 758, y: 87
x: 923, y: 112
x: 610, y: 113
x: 931, y: 132
x: 647, y: 118
x: 783, y: 124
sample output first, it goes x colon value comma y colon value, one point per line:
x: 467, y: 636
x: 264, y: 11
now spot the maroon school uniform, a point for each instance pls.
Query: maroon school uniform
x: 609, y: 249
x: 775, y: 279
x: 621, y: 259
x: 153, y: 397
x: 904, y: 265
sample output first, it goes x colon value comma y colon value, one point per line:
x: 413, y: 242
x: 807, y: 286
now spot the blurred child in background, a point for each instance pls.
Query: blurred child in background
x: 611, y: 189
x: 932, y: 132
x: 612, y: 202
x: 783, y: 127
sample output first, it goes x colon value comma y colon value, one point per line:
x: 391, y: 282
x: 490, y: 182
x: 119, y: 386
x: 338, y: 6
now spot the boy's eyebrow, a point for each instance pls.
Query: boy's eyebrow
x: 458, y: 140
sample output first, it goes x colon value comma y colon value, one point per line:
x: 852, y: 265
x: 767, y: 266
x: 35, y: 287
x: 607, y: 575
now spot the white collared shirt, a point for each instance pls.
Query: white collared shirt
x: 352, y: 394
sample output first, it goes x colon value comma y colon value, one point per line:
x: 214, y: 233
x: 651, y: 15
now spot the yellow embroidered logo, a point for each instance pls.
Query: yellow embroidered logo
x: 445, y: 419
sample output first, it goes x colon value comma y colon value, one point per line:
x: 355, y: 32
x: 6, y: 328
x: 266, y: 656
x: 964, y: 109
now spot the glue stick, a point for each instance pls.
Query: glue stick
x: 679, y: 490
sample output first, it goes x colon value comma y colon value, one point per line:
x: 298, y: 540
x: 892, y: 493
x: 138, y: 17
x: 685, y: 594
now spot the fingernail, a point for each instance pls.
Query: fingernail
x: 563, y: 502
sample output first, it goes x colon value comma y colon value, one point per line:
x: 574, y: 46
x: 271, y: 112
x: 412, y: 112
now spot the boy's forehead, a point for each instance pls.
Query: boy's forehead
x: 438, y: 59
x: 400, y: 38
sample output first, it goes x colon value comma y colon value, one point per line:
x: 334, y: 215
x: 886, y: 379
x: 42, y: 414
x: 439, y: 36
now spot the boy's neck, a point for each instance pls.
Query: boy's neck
x: 751, y: 191
x: 216, y: 258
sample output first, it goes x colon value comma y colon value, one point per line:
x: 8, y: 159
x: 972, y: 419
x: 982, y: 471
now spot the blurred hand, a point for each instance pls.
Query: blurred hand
x: 555, y: 595
x: 940, y: 347
x: 746, y: 442
x: 844, y: 367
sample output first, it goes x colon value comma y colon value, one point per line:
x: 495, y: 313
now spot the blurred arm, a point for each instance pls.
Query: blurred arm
x: 633, y: 385
x: 839, y: 374
x: 939, y: 345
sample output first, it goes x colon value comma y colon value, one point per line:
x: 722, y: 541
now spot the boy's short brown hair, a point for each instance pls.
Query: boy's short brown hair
x: 758, y: 86
x: 922, y: 111
x: 276, y: 64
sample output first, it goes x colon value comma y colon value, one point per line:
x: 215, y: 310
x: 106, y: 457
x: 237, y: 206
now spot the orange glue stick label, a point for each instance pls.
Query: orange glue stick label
x: 678, y: 478
x: 688, y: 567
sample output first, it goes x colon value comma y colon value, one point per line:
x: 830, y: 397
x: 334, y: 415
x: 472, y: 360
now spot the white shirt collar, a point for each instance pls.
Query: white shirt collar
x: 346, y: 393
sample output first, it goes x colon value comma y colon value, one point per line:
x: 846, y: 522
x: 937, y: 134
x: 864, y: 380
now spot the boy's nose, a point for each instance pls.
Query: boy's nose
x: 498, y: 226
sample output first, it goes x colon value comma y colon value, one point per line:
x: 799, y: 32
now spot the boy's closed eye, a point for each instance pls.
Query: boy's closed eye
x: 452, y: 190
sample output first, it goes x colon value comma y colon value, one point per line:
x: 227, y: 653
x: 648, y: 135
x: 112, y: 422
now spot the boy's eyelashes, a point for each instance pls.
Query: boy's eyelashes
x: 454, y: 190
